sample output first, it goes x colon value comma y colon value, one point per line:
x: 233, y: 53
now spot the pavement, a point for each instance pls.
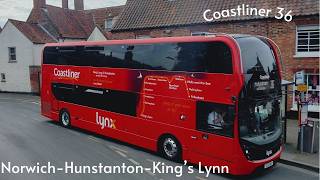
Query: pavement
x: 293, y: 156
x: 27, y: 138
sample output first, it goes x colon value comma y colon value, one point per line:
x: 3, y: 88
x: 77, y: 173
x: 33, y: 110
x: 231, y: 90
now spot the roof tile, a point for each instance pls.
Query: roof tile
x: 142, y: 14
x: 33, y: 32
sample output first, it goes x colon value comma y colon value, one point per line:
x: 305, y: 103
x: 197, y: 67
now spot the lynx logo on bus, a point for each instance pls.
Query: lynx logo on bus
x: 66, y: 73
x: 105, y: 122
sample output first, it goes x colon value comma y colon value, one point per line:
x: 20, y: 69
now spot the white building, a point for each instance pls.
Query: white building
x: 22, y: 42
x: 20, y: 49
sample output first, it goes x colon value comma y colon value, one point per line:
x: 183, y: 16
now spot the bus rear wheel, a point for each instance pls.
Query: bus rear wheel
x: 170, y: 148
x: 65, y: 118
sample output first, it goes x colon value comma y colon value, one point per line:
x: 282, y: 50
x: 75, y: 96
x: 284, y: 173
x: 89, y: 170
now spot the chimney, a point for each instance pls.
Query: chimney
x: 37, y: 4
x: 65, y: 4
x: 78, y: 5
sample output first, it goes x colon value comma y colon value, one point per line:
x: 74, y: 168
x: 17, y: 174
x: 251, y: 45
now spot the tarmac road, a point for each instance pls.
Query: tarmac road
x: 27, y: 138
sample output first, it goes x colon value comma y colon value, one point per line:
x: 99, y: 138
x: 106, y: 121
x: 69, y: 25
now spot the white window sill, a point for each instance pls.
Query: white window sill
x: 313, y: 108
x: 12, y: 61
x: 306, y: 55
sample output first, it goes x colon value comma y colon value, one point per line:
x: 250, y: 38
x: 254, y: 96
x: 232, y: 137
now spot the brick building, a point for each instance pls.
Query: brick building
x: 298, y: 40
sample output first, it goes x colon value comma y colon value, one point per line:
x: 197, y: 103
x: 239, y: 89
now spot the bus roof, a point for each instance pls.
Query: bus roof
x: 206, y: 38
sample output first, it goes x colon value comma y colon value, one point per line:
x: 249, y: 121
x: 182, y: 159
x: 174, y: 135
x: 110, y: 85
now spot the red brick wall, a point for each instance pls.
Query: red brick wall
x: 283, y: 33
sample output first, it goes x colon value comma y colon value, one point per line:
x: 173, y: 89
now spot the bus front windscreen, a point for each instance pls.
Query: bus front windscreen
x: 259, y: 67
x: 259, y: 103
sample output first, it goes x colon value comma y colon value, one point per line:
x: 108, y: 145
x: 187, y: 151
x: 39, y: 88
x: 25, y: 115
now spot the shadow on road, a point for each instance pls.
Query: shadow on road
x: 256, y: 175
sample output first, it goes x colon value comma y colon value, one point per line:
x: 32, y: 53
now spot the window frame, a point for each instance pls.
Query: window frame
x: 311, y: 107
x: 203, y: 125
x: 106, y: 23
x: 3, y: 77
x: 305, y: 53
x: 12, y: 60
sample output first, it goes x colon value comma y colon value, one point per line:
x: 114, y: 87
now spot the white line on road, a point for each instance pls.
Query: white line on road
x: 150, y: 160
x: 148, y: 170
x: 76, y: 133
x: 93, y: 139
x: 35, y: 103
x: 134, y: 162
x: 200, y: 178
x: 39, y: 120
x: 121, y: 154
x: 116, y: 148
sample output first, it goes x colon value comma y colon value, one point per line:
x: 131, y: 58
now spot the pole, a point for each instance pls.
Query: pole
x: 300, y: 120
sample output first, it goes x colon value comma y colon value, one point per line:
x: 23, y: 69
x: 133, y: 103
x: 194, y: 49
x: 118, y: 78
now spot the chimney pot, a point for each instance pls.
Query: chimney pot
x: 65, y: 4
x: 37, y: 4
x: 78, y: 5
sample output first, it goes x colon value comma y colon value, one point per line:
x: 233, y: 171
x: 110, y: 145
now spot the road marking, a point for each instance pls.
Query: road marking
x: 200, y: 178
x: 78, y: 134
x: 94, y: 139
x: 134, y: 162
x: 35, y: 103
x: 150, y: 160
x: 148, y: 170
x: 39, y: 120
x: 121, y: 154
x: 119, y: 149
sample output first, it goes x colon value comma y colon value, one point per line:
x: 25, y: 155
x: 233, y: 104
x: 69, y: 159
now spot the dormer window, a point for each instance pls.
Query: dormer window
x: 109, y: 24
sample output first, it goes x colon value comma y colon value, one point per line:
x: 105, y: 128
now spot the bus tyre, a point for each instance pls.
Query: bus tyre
x: 170, y: 148
x: 65, y: 118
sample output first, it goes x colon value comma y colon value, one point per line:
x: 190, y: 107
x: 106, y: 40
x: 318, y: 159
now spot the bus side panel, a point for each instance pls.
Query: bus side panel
x: 109, y: 124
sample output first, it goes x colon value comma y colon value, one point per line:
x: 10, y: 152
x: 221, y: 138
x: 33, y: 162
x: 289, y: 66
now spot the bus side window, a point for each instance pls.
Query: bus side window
x: 113, y: 56
x: 215, y: 118
x: 219, y: 59
x: 162, y: 57
x: 190, y: 57
x: 50, y: 55
x: 136, y: 55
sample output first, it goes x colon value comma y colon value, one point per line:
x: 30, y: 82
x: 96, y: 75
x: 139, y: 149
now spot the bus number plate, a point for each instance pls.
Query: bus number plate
x: 269, y: 164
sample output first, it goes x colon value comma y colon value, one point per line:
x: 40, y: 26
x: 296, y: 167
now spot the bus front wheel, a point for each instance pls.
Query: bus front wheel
x: 170, y: 148
x: 65, y: 118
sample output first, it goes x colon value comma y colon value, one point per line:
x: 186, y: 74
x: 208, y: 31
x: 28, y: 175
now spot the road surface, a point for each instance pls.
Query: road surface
x: 27, y: 138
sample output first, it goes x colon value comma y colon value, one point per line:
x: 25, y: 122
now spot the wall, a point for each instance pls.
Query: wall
x: 37, y: 54
x: 17, y: 74
x: 96, y: 35
x: 283, y: 33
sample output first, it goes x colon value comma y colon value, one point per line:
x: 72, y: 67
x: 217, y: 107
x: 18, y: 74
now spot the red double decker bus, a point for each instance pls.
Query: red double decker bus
x: 210, y: 99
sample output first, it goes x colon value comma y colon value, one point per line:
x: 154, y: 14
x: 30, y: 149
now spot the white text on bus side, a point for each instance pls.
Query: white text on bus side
x: 66, y: 73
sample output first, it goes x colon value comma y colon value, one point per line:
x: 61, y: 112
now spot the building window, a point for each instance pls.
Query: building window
x: 108, y: 24
x: 3, y: 77
x: 312, y: 94
x: 307, y: 41
x: 12, y: 54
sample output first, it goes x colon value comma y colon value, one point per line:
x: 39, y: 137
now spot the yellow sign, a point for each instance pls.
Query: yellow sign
x: 302, y: 88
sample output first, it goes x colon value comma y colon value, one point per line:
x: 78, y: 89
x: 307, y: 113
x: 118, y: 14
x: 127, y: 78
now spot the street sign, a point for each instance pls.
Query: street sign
x: 302, y: 88
x: 300, y: 78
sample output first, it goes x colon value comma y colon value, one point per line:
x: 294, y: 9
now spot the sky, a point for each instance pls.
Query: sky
x: 20, y: 9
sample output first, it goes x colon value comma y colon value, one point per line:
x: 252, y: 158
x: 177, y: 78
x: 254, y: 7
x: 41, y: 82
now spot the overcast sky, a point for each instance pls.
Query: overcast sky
x: 20, y: 9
